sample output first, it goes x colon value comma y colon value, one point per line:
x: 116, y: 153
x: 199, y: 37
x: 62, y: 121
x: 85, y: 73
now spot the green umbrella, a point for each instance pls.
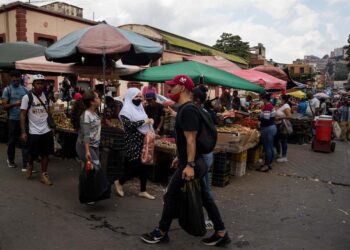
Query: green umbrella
x: 196, y: 71
x: 12, y: 52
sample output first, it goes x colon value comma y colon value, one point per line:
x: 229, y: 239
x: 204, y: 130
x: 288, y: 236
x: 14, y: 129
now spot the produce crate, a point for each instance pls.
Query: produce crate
x: 113, y: 162
x: 239, y: 163
x: 68, y: 141
x: 3, y: 131
x: 159, y: 171
x: 240, y: 157
x: 112, y: 138
x: 222, y: 163
x: 221, y: 169
x: 238, y: 169
x: 221, y: 180
x: 254, y: 155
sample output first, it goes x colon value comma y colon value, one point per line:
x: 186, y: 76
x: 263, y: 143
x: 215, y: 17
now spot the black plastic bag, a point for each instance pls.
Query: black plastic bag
x: 191, y: 216
x: 93, y: 185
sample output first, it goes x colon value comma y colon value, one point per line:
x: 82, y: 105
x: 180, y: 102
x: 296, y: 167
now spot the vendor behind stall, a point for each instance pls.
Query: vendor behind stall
x: 111, y: 111
x: 155, y: 111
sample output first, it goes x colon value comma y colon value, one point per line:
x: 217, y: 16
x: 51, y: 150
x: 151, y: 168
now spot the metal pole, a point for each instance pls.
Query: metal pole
x: 104, y: 70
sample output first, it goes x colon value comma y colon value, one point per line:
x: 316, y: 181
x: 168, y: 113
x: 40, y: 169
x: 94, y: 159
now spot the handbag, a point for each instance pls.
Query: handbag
x: 147, y: 156
x: 286, y: 127
x: 50, y: 121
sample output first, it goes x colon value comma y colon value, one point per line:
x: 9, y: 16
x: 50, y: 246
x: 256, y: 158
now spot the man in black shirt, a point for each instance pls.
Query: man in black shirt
x: 189, y: 164
x: 155, y: 111
x: 236, y: 101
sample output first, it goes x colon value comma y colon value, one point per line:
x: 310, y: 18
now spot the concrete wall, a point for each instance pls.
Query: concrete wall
x: 50, y: 25
x: 140, y: 29
x: 8, y: 25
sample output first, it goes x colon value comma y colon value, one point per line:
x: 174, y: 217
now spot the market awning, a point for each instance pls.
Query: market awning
x: 12, y: 52
x: 40, y: 64
x: 273, y: 71
x: 198, y: 72
x: 267, y: 81
x: 214, y: 61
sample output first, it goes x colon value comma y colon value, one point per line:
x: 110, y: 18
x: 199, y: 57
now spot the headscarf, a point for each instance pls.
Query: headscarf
x: 132, y: 112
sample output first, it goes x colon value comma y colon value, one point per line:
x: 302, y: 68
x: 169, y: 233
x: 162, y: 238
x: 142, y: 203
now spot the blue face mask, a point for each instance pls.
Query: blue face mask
x: 247, y: 103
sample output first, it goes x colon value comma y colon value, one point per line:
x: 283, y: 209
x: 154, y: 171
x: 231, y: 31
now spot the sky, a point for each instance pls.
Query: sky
x: 289, y: 29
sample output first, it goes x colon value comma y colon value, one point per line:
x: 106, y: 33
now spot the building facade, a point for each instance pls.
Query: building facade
x: 41, y: 25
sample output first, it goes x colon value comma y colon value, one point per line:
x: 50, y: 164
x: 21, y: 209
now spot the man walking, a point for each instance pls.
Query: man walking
x: 187, y: 125
x: 36, y: 107
x: 12, y: 97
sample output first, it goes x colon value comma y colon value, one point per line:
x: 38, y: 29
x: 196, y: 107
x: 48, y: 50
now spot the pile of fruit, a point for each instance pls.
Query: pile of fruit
x: 234, y: 129
x: 62, y: 121
x: 250, y: 123
x: 166, y: 144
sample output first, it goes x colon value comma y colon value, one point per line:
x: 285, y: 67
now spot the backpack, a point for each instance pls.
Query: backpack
x: 207, y: 134
x: 31, y: 99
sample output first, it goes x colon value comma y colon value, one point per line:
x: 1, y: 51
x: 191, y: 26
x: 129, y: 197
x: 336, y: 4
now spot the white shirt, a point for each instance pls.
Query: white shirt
x: 37, y: 115
x: 280, y: 112
x: 314, y: 104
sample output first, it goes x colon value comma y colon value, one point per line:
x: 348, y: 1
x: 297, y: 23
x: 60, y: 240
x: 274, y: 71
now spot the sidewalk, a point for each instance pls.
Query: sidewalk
x: 261, y: 210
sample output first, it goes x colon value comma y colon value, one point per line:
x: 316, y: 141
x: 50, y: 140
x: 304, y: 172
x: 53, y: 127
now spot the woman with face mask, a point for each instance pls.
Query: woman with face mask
x: 136, y: 124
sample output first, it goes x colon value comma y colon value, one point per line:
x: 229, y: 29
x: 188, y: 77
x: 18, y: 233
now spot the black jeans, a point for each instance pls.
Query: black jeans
x: 14, y: 132
x: 135, y: 168
x: 170, y: 199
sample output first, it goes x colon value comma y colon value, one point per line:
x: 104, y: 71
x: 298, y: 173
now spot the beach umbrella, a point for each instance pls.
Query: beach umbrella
x: 321, y: 95
x: 12, y: 52
x: 298, y: 94
x: 198, y: 72
x: 107, y: 42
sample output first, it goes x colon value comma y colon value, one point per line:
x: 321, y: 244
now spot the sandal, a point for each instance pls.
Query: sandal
x: 258, y: 169
x: 264, y: 169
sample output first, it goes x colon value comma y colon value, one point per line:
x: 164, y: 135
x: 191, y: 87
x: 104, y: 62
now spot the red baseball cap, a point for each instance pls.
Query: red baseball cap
x: 183, y: 80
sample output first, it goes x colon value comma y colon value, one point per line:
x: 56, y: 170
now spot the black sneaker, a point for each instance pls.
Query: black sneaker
x: 216, y: 240
x: 155, y: 237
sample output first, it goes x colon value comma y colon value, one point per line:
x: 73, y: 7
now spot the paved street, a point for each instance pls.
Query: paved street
x: 291, y: 207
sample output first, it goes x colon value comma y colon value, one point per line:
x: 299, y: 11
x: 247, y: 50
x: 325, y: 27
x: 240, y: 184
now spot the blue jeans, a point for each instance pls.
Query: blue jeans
x: 209, y: 160
x: 281, y: 142
x: 267, y: 137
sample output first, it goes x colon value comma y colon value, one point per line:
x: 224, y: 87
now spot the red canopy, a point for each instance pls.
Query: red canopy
x: 214, y: 61
x: 273, y: 71
x: 265, y: 80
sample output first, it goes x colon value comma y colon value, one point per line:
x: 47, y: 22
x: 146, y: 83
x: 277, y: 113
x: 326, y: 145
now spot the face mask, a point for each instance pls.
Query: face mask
x: 137, y: 102
x: 174, y: 97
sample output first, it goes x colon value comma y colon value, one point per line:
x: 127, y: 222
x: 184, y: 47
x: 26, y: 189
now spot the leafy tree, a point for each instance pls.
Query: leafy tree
x: 206, y: 52
x: 232, y: 44
x: 341, y: 72
x: 348, y: 52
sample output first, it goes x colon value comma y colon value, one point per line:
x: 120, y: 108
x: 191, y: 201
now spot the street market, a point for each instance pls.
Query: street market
x: 108, y: 104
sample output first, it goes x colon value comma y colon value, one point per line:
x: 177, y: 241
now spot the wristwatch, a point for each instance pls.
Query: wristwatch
x: 192, y: 164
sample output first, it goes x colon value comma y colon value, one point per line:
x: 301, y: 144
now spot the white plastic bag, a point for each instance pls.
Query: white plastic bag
x: 336, y: 129
x: 57, y: 146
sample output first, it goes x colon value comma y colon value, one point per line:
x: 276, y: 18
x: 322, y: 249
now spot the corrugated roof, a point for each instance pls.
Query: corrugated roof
x: 196, y: 46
